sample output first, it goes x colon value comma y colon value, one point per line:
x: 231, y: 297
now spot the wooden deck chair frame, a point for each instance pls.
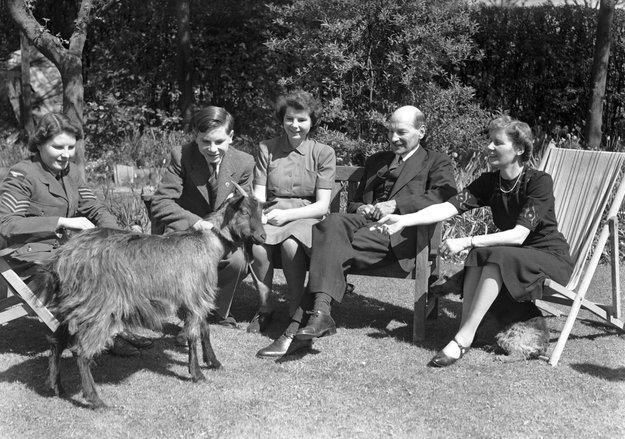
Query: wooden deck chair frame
x: 20, y: 300
x: 584, y: 184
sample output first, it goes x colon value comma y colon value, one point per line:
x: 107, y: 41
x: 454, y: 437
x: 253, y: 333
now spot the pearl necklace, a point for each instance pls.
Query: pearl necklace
x: 513, y: 186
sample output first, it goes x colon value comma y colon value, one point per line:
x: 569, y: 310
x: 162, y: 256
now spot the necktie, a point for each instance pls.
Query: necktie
x: 212, y: 184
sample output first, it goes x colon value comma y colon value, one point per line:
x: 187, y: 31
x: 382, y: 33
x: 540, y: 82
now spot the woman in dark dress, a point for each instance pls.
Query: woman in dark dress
x: 517, y: 259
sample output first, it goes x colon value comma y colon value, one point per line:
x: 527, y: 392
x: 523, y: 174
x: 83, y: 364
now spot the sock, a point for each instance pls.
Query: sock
x: 293, y: 325
x: 322, y: 303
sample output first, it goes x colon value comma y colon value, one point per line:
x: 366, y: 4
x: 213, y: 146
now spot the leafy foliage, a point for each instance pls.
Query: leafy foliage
x: 537, y: 63
x: 366, y: 58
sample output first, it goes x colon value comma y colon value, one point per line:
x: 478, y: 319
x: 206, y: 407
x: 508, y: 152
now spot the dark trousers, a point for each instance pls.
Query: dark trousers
x: 340, y: 243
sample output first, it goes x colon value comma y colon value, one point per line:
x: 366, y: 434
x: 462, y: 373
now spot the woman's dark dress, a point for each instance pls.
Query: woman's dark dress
x: 530, y: 203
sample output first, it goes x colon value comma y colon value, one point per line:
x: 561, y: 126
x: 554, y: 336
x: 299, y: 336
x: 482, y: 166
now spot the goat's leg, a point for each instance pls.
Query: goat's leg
x: 88, y: 385
x: 192, y: 325
x: 208, y: 353
x: 58, y: 342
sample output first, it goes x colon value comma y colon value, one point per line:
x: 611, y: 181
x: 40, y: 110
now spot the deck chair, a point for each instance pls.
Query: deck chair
x: 584, y: 183
x: 17, y: 299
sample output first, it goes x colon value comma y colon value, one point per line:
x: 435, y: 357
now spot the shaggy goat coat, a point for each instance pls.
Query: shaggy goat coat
x: 132, y: 281
x: 104, y: 280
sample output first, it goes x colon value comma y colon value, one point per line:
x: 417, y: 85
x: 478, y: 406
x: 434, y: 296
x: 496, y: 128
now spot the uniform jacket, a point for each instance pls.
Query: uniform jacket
x: 181, y: 198
x: 31, y: 202
x: 426, y: 178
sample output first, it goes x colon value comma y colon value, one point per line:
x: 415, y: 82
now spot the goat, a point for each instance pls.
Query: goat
x: 104, y: 280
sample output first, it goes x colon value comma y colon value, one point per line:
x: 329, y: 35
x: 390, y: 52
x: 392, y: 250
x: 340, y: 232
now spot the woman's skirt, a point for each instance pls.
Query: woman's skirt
x: 300, y: 229
x: 523, y: 269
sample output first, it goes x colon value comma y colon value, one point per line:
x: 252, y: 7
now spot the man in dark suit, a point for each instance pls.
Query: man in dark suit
x: 403, y: 180
x: 197, y: 181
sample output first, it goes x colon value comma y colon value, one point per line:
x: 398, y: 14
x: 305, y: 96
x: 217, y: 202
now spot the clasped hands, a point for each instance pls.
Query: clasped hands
x: 276, y: 217
x: 378, y: 210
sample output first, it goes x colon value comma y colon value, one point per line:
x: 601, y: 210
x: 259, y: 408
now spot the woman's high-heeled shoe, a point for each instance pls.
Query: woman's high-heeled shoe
x: 441, y: 359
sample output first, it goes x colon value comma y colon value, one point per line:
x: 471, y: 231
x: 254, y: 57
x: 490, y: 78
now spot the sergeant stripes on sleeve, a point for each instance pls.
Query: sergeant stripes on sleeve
x: 14, y: 205
x: 86, y: 193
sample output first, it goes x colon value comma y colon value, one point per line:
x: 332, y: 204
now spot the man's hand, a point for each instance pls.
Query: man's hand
x: 277, y: 217
x: 203, y: 226
x: 365, y: 210
x: 76, y: 224
x: 382, y: 209
x: 389, y: 224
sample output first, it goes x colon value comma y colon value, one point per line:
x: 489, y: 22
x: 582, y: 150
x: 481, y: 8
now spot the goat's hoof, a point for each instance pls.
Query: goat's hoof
x: 198, y: 377
x: 214, y: 365
x: 59, y: 391
x: 98, y: 405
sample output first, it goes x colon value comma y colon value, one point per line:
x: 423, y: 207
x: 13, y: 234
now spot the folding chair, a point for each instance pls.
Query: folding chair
x: 20, y: 299
x: 585, y: 182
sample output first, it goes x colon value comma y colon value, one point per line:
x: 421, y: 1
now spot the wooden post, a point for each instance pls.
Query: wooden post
x: 422, y: 276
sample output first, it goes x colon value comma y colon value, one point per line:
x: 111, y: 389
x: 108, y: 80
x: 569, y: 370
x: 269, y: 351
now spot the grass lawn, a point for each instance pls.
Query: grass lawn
x: 368, y: 380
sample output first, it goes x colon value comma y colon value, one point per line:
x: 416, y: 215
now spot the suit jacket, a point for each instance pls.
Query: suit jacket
x: 31, y: 202
x: 426, y: 178
x: 181, y: 198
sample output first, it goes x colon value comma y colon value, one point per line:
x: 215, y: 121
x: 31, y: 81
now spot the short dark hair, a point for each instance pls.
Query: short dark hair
x: 519, y: 132
x: 50, y: 125
x: 300, y: 100
x: 211, y: 117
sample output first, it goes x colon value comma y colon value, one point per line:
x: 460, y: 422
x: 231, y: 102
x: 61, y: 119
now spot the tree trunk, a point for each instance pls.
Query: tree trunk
x: 599, y: 73
x: 68, y: 61
x: 26, y: 110
x: 185, y: 67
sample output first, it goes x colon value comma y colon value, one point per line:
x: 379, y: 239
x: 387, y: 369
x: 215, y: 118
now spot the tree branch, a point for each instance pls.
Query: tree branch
x: 77, y: 40
x: 43, y: 40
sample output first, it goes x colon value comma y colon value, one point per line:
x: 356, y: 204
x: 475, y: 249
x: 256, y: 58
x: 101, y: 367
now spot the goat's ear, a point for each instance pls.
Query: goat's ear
x: 239, y: 188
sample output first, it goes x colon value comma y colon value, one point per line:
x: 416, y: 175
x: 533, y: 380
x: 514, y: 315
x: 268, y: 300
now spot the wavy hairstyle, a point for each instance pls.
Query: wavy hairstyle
x: 519, y: 132
x: 50, y: 125
x: 300, y: 100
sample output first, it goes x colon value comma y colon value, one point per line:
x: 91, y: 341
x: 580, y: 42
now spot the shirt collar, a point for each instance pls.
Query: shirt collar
x: 47, y: 170
x: 301, y: 149
x: 409, y: 154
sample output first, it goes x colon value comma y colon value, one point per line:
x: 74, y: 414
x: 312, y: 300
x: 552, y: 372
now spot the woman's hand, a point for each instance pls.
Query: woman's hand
x: 452, y: 246
x: 389, y: 224
x: 278, y: 217
x: 76, y: 224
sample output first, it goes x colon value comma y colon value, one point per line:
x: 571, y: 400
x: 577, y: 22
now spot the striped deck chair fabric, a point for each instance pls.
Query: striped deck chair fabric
x: 585, y: 184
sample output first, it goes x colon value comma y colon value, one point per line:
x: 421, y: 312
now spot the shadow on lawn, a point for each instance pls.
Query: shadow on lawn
x: 29, y: 339
x: 356, y: 311
x: 607, y: 373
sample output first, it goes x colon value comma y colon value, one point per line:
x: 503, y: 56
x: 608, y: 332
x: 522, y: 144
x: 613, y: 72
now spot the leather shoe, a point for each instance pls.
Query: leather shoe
x: 260, y: 322
x: 136, y: 340
x: 319, y: 324
x: 123, y: 348
x: 443, y: 360
x: 283, y: 345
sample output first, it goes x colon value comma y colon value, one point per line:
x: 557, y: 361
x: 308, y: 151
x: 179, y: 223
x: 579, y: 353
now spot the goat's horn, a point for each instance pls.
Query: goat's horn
x: 239, y: 188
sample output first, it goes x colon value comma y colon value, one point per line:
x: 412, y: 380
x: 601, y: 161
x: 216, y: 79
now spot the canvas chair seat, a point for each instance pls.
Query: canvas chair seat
x: 584, y: 184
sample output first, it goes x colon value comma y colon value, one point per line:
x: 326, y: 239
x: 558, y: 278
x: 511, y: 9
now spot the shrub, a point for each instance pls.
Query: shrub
x: 366, y: 58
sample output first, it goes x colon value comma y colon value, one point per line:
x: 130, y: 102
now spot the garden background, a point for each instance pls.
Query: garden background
x: 461, y: 62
